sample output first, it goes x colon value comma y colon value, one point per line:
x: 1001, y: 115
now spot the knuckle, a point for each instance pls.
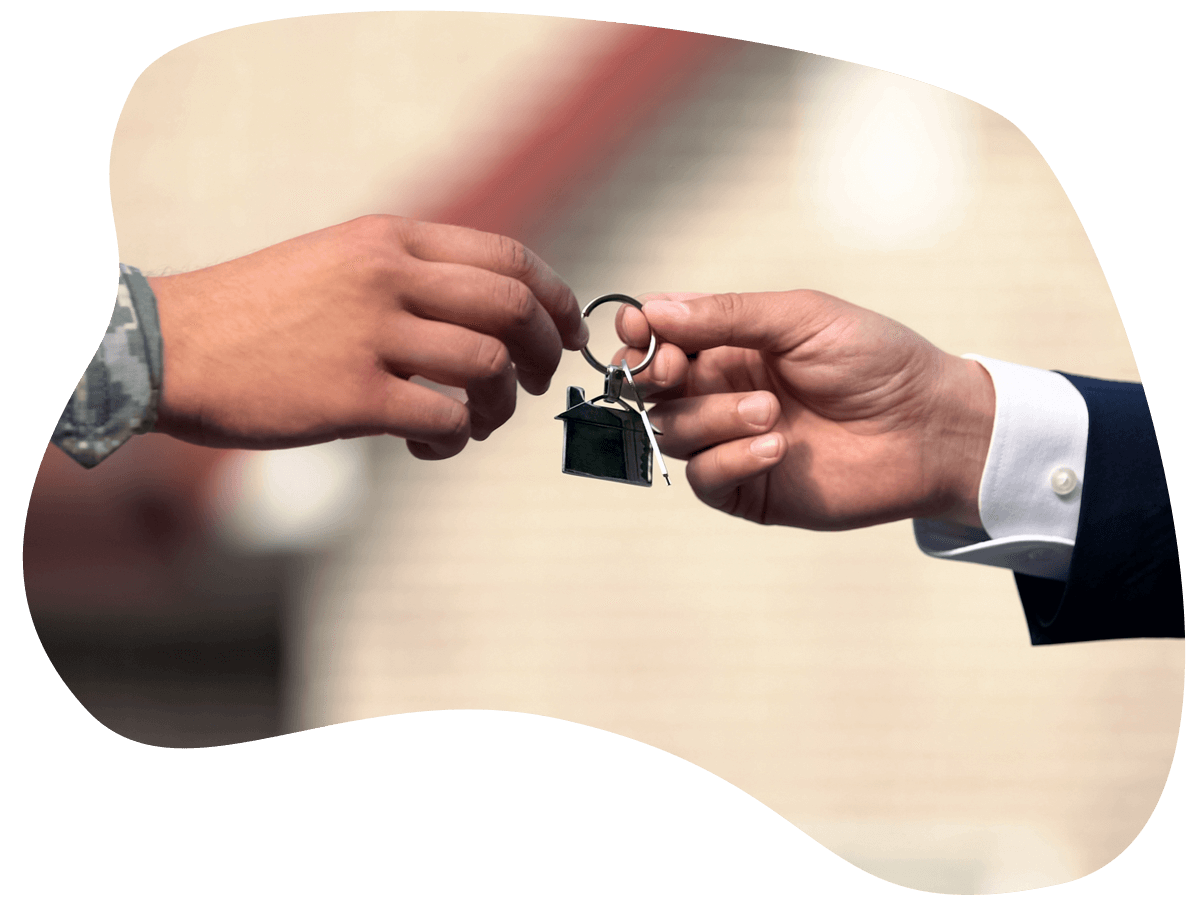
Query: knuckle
x: 429, y: 417
x: 491, y: 358
x: 377, y: 221
x: 728, y: 304
x: 379, y: 226
x: 374, y: 250
x: 518, y: 303
x: 511, y: 257
x: 451, y: 419
x: 731, y: 309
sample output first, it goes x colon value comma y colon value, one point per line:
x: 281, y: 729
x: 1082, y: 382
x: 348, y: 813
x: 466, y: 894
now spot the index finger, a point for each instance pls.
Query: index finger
x: 504, y: 256
x: 775, y: 322
x: 632, y: 326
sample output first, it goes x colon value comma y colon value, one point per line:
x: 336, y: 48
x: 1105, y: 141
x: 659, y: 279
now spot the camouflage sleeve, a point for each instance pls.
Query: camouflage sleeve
x: 117, y: 397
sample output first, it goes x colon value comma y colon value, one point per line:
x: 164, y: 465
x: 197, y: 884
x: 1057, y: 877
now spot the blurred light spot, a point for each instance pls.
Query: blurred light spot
x: 289, y: 500
x: 888, y: 162
x: 951, y: 857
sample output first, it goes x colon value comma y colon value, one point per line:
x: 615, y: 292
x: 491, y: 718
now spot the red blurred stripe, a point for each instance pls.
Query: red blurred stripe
x: 81, y: 521
x: 647, y: 70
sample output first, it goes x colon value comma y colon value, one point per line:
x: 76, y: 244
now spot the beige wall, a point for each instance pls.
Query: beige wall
x: 248, y: 137
x: 887, y: 703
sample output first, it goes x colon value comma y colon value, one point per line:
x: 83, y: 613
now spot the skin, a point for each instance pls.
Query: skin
x: 797, y: 408
x: 316, y: 338
x: 791, y: 408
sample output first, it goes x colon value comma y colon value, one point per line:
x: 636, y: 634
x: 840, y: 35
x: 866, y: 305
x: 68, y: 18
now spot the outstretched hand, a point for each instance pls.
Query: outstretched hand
x: 797, y: 408
x: 315, y: 338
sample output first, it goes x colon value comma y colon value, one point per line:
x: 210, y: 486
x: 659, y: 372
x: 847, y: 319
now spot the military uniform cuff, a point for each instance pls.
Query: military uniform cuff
x: 117, y: 397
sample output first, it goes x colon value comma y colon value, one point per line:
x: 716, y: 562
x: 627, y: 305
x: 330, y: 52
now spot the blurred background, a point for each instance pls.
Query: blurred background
x: 888, y: 704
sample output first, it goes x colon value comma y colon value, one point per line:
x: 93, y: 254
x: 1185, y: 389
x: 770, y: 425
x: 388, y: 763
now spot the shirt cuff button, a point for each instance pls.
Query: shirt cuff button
x: 1063, y: 481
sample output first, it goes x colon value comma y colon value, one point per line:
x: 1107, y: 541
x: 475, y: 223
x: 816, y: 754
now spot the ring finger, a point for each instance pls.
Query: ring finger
x: 458, y: 357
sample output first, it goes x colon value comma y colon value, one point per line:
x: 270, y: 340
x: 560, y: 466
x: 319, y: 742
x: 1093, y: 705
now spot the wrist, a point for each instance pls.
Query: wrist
x: 960, y: 437
x: 175, y: 416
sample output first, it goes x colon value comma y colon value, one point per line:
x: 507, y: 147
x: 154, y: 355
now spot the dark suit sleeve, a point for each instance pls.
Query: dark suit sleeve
x: 1124, y: 578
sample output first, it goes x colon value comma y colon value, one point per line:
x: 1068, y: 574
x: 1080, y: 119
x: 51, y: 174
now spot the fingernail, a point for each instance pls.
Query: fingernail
x: 658, y: 369
x: 756, y: 409
x: 767, y: 446
x: 584, y: 332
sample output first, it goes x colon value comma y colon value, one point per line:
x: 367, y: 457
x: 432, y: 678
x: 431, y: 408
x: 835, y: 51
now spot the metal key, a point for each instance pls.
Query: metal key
x: 650, y: 429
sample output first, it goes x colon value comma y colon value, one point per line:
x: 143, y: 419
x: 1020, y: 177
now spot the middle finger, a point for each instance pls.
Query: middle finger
x: 668, y: 370
x: 495, y: 305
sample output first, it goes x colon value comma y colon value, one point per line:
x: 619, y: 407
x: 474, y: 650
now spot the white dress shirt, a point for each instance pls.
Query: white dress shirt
x: 1032, y: 480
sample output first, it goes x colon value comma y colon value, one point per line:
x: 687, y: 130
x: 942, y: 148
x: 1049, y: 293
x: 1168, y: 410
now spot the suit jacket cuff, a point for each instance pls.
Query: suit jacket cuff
x: 1123, y: 581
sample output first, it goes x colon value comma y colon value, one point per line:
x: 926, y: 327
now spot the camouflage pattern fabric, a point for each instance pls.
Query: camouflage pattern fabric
x: 117, y: 397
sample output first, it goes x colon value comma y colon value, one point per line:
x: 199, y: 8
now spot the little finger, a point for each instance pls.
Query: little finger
x: 435, y: 426
x: 717, y: 474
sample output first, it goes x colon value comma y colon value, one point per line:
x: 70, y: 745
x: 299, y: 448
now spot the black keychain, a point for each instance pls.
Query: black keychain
x: 605, y: 437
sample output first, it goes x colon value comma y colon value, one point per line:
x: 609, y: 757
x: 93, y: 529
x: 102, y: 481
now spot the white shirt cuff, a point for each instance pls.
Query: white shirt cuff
x: 1032, y: 480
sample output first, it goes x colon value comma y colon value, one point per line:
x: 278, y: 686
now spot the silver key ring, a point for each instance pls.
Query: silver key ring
x: 618, y: 298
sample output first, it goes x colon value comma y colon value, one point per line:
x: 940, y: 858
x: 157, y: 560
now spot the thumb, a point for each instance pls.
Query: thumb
x: 774, y: 321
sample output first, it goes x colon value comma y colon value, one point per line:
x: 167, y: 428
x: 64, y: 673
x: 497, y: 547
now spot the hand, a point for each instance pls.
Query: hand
x: 802, y: 409
x: 315, y: 338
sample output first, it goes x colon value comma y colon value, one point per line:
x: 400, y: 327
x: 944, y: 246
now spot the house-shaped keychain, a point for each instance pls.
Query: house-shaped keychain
x: 608, y: 442
x: 613, y: 442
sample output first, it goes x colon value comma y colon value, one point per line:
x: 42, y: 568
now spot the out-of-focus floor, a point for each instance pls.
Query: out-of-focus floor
x: 887, y: 703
